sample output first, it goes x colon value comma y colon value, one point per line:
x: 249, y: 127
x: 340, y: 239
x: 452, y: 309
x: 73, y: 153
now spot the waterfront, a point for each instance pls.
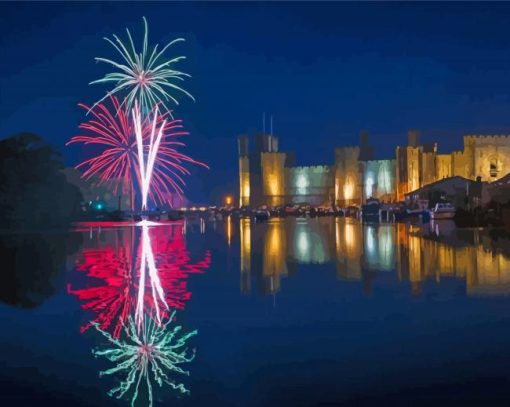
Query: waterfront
x: 294, y: 311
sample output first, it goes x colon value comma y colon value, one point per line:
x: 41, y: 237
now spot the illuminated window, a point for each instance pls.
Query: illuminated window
x: 493, y: 170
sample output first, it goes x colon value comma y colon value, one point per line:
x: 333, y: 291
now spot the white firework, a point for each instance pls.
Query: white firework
x: 145, y: 75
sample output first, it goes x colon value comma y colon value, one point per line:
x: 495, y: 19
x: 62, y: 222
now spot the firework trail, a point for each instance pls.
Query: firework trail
x: 127, y: 145
x: 112, y: 289
x: 145, y: 74
x: 148, y: 354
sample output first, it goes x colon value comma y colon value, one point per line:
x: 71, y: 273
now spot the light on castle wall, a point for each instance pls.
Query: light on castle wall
x: 274, y: 186
x: 302, y: 183
x: 384, y: 180
x: 349, y: 188
x: 369, y: 186
x: 246, y: 190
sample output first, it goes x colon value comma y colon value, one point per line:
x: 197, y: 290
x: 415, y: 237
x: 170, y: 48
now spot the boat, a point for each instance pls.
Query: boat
x: 442, y: 211
x: 418, y: 209
x: 261, y: 215
x: 370, y: 211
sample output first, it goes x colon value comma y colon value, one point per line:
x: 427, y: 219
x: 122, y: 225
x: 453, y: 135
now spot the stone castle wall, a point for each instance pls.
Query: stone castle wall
x: 269, y: 178
x: 312, y: 184
x: 348, y: 180
x: 379, y: 179
x: 443, y: 166
x: 491, y: 155
x: 273, y: 178
x: 244, y: 181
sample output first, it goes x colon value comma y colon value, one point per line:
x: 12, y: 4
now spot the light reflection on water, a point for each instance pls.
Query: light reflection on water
x: 135, y: 283
x: 322, y: 317
x: 415, y: 253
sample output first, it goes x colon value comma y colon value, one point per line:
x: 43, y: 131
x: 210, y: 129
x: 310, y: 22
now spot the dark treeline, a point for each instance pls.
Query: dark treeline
x: 32, y: 266
x: 37, y: 204
x: 34, y: 192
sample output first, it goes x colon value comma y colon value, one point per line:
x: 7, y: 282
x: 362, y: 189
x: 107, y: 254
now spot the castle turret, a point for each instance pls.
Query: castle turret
x: 243, y: 146
x: 413, y: 138
x: 244, y: 171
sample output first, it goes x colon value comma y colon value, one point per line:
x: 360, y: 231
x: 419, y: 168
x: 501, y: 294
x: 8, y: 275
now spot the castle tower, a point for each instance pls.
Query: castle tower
x: 366, y: 151
x: 413, y: 138
x: 244, y: 171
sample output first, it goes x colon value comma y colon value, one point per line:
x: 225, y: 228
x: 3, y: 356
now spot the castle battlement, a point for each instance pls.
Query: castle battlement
x: 313, y: 168
x: 355, y: 175
x: 347, y: 149
x: 389, y: 160
x: 488, y: 138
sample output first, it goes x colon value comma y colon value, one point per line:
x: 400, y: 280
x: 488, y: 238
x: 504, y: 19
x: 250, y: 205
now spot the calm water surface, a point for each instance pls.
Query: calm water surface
x: 291, y: 312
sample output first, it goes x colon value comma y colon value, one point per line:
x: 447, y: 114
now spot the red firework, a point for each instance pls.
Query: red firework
x: 112, y: 130
x: 112, y: 275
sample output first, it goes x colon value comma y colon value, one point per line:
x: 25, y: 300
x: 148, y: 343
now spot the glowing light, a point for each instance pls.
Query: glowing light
x: 303, y: 246
x: 146, y: 354
x: 302, y: 183
x: 369, y: 187
x: 145, y: 75
x: 386, y: 247
x: 113, y: 289
x: 146, y: 167
x: 147, y: 261
x: 245, y: 237
x: 385, y: 178
x: 274, y: 186
x: 350, y: 237
x: 229, y: 229
x: 349, y: 188
x: 122, y: 141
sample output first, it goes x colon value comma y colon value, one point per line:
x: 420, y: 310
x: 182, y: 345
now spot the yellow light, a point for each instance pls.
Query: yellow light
x: 246, y: 190
x: 228, y: 200
x: 244, y: 226
x: 349, y: 188
x: 229, y: 230
x: 273, y: 184
x: 349, y: 237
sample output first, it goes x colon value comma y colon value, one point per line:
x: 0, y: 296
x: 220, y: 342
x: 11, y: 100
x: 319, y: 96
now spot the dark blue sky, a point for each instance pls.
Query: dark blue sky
x: 325, y: 71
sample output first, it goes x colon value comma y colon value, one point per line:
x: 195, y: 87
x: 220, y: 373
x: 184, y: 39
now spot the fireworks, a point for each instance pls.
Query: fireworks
x: 144, y: 74
x: 113, y: 291
x: 138, y: 142
x: 145, y: 354
x: 126, y: 144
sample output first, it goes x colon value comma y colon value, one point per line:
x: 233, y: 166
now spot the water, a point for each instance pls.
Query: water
x: 291, y: 312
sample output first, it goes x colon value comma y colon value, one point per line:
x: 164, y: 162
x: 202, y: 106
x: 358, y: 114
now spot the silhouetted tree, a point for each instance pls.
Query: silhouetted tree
x: 34, y: 193
x: 33, y: 265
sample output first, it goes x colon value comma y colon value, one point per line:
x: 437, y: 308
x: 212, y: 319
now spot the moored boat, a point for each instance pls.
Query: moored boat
x: 442, y: 210
x: 370, y: 211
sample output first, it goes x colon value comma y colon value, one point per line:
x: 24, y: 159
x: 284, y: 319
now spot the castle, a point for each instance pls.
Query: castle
x: 269, y: 177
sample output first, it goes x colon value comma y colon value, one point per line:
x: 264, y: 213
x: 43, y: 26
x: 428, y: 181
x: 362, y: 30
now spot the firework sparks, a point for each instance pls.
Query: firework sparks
x: 112, y: 290
x: 155, y: 283
x: 145, y: 355
x: 127, y: 146
x: 144, y: 74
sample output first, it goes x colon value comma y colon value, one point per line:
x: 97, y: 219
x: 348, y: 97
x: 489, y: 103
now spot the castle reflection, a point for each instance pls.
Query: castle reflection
x: 416, y: 254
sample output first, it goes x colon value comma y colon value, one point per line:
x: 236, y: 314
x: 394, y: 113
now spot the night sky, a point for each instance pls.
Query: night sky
x: 325, y: 71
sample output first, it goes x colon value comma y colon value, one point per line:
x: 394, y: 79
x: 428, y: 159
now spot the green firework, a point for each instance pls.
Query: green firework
x: 151, y: 354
